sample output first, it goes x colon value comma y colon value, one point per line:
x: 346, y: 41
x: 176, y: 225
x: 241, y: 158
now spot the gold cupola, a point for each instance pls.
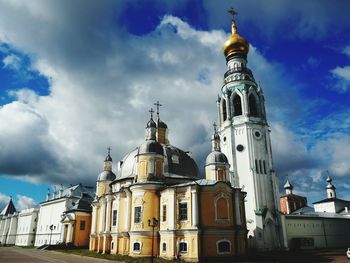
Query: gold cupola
x: 235, y: 44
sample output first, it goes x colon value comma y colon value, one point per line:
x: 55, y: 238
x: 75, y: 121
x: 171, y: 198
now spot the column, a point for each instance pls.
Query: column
x: 194, y: 208
x: 172, y: 208
x: 93, y: 223
x: 237, y: 210
x: 245, y: 103
x: 69, y: 233
x: 108, y: 213
x: 102, y: 215
x: 128, y: 208
x: 62, y: 233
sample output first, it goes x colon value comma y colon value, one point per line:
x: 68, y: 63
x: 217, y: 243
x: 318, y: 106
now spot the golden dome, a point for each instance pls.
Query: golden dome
x: 235, y: 44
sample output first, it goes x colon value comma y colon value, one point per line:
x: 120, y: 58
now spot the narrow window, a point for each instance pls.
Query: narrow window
x: 114, y: 220
x: 220, y: 176
x: 264, y: 163
x: 224, y: 110
x: 253, y: 110
x: 183, y: 247
x: 224, y: 247
x: 237, y: 105
x: 256, y: 166
x: 164, y: 247
x: 82, y: 225
x: 137, y: 246
x: 137, y: 215
x: 112, y: 245
x: 164, y: 213
x: 183, y: 211
x: 260, y: 166
x: 221, y: 208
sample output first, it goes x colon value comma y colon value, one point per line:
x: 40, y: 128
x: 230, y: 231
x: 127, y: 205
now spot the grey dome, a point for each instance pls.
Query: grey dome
x: 162, y: 124
x: 216, y: 157
x: 151, y: 124
x: 177, y: 164
x: 106, y: 176
x: 151, y: 146
x: 108, y: 158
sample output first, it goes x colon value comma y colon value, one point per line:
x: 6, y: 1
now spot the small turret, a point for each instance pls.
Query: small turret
x: 216, y: 164
x: 330, y: 188
x: 288, y: 187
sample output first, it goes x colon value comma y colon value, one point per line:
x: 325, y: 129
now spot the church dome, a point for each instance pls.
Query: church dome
x: 216, y: 157
x: 235, y: 44
x: 106, y: 176
x: 162, y: 124
x: 177, y: 163
x: 151, y: 146
x: 151, y: 124
x: 108, y: 158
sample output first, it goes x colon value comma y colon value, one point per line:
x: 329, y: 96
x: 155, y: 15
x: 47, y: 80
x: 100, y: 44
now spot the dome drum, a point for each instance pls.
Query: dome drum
x: 216, y: 157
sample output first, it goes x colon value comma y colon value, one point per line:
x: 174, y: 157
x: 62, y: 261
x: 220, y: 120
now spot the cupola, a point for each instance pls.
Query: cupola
x: 288, y: 187
x: 235, y: 44
x: 330, y: 188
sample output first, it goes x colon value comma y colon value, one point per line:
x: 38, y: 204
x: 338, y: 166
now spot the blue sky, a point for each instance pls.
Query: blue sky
x: 77, y: 77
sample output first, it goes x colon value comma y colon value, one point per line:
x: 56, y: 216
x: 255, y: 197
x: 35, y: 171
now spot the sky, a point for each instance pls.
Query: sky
x: 79, y: 76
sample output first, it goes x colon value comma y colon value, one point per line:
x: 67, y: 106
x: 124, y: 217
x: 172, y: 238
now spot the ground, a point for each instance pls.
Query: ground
x: 25, y: 255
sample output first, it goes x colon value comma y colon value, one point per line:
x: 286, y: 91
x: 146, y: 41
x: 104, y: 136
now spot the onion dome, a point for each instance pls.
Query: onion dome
x: 151, y: 146
x: 106, y: 176
x: 216, y: 157
x: 108, y: 158
x: 162, y: 124
x: 330, y: 185
x: 235, y: 44
x: 288, y: 185
x: 151, y: 124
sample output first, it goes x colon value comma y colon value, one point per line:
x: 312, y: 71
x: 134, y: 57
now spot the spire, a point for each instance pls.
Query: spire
x: 233, y: 27
x: 9, y: 209
x: 215, y: 139
x: 330, y: 188
x: 107, y: 165
x: 151, y: 127
x: 288, y: 187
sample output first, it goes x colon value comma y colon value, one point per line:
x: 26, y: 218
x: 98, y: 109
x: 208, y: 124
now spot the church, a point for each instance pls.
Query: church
x: 157, y: 205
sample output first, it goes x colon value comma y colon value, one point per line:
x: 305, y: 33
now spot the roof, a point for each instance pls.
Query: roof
x: 294, y: 197
x: 331, y: 200
x: 9, y: 209
x: 82, y: 204
x: 309, y: 212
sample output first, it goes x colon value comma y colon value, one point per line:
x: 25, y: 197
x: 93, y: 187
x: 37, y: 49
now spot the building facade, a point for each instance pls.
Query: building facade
x: 65, y: 218
x: 157, y: 205
x: 245, y: 140
x: 326, y: 225
x: 26, y: 227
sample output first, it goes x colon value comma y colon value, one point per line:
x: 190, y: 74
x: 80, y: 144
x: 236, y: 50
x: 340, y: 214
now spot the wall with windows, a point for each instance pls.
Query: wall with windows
x: 26, y: 227
x: 307, y: 232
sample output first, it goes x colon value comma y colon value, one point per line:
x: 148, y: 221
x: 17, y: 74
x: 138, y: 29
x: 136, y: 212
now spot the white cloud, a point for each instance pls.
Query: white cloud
x: 25, y: 202
x: 12, y: 62
x: 346, y: 51
x: 342, y: 74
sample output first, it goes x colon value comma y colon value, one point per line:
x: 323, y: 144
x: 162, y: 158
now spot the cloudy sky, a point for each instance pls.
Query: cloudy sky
x: 79, y: 76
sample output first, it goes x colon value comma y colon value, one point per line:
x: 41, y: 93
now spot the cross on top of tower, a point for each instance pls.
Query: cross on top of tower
x: 109, y: 150
x: 232, y: 12
x: 214, y: 125
x: 151, y: 111
x: 157, y: 104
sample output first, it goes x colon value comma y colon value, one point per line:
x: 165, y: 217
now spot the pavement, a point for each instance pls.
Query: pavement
x: 27, y: 255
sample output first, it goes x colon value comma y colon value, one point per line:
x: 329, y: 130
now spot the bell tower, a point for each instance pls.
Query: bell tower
x: 245, y: 140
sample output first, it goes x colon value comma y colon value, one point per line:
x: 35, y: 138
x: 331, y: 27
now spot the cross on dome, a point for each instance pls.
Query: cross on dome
x: 151, y: 111
x: 158, y: 105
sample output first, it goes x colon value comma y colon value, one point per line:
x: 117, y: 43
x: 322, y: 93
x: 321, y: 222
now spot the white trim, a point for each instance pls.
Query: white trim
x: 178, y: 247
x: 137, y: 251
x: 217, y: 247
x: 166, y: 247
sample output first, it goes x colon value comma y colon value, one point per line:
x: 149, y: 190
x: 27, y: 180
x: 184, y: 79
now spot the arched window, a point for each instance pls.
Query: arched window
x: 163, y: 247
x: 223, y: 247
x: 224, y: 110
x: 183, y: 247
x: 253, y: 110
x: 221, y: 175
x: 221, y: 208
x: 237, y: 105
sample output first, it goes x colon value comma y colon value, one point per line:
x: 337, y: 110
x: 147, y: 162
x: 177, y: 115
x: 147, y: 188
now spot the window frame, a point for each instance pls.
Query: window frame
x: 223, y: 252
x: 179, y: 247
x: 82, y: 225
x: 183, y: 214
x: 133, y: 247
x: 114, y: 217
x: 164, y: 213
x: 139, y: 217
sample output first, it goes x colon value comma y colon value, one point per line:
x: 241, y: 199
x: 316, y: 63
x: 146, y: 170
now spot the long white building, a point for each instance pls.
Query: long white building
x: 26, y: 227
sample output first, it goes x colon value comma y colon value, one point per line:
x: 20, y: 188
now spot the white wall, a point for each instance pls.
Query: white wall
x: 26, y: 227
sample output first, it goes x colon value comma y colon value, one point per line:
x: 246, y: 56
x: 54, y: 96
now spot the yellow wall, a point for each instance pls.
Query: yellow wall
x: 81, y: 237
